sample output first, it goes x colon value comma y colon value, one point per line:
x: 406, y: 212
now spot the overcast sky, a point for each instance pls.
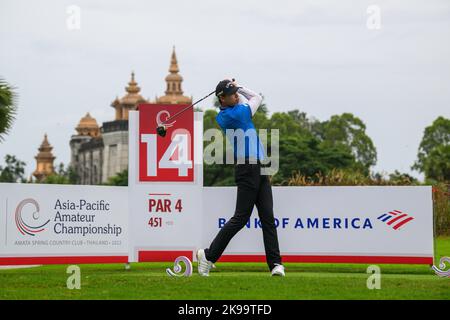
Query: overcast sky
x: 317, y: 56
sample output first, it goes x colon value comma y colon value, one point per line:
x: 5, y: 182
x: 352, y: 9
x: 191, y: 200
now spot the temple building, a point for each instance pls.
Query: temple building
x: 44, y: 161
x: 98, y: 153
x: 129, y: 101
x: 87, y: 151
x: 174, y: 93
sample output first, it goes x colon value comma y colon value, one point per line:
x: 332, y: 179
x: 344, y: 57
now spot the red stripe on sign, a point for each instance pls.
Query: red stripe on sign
x: 330, y: 259
x: 5, y: 261
x: 162, y: 256
x: 397, y: 218
x: 398, y: 225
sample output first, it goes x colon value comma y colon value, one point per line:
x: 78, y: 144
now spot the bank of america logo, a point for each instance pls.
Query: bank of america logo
x: 395, y: 219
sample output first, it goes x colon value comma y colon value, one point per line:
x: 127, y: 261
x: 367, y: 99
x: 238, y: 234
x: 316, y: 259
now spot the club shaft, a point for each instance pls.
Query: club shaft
x: 183, y: 110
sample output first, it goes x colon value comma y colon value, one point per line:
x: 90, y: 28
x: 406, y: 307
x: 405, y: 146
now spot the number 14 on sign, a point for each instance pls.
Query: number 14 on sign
x: 179, y: 142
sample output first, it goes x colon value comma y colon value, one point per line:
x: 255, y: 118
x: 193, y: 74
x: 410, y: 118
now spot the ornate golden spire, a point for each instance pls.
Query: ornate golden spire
x: 174, y: 92
x: 88, y: 126
x: 44, y: 160
x: 174, y: 63
x: 129, y: 101
x: 132, y: 85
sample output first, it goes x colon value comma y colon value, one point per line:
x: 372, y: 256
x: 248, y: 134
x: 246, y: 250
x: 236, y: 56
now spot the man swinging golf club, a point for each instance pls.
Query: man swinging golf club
x: 237, y: 107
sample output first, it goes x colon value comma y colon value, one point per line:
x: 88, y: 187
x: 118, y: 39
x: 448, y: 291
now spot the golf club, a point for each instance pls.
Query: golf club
x: 161, y: 130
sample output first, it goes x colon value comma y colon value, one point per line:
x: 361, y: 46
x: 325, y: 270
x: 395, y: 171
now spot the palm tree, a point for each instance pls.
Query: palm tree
x: 8, y: 107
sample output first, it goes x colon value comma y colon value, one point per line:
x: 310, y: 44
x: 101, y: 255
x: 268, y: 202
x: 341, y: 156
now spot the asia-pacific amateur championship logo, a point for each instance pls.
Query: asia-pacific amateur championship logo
x: 29, y: 221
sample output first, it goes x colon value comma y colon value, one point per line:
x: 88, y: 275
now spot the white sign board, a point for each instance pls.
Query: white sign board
x: 165, y: 217
x: 45, y: 224
x: 361, y: 224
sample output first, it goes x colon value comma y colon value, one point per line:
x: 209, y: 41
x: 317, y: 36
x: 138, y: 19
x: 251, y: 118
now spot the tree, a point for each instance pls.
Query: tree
x: 73, y: 175
x: 55, y: 179
x: 308, y: 156
x: 437, y: 165
x: 350, y: 131
x: 14, y: 171
x: 311, y: 124
x: 8, y: 108
x: 306, y: 145
x: 120, y: 179
x: 62, y: 176
x: 433, y: 158
x: 216, y: 174
x: 399, y: 178
x: 262, y: 109
x: 287, y: 125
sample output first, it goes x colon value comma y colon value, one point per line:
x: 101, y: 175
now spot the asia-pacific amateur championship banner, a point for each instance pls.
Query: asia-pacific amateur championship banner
x: 47, y: 224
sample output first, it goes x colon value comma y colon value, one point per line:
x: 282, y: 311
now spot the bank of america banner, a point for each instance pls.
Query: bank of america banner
x: 45, y: 224
x: 361, y: 224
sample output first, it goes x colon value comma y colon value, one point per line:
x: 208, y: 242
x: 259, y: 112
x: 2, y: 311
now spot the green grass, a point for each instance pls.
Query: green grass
x: 229, y: 281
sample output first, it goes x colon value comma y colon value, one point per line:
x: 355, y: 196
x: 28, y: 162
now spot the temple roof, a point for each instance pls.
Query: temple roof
x: 45, y: 150
x: 88, y: 126
x: 132, y: 97
x: 174, y: 91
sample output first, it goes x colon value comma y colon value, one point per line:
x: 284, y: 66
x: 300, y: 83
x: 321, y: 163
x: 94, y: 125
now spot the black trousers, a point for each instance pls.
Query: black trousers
x: 252, y: 189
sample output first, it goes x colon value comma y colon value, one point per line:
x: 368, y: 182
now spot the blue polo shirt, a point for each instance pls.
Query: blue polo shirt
x: 240, y: 117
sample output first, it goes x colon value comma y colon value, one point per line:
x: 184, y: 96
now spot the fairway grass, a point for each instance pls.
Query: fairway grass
x: 229, y: 281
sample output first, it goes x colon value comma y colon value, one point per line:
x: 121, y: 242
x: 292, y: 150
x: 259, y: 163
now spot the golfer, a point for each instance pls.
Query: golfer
x: 237, y: 107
